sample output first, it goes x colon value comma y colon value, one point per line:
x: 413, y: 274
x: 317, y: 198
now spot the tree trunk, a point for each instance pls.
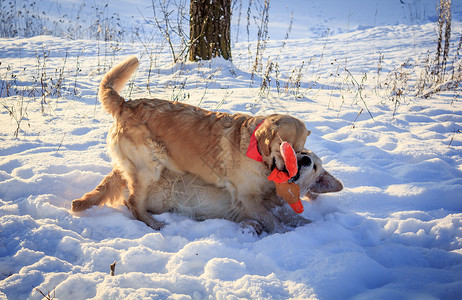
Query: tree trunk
x: 209, y: 24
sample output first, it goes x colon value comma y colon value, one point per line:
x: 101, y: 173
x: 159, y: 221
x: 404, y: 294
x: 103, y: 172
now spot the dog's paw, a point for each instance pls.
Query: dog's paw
x: 156, y: 225
x: 252, y: 227
x: 79, y: 205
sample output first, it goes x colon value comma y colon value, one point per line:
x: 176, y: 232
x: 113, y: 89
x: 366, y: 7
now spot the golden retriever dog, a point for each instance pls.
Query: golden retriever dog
x: 189, y: 195
x: 150, y: 135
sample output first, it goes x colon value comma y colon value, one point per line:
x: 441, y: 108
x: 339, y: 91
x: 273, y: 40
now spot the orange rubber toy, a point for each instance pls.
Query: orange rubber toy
x: 291, y: 193
x: 287, y: 190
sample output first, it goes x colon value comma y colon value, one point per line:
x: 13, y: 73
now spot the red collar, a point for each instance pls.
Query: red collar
x: 252, y: 151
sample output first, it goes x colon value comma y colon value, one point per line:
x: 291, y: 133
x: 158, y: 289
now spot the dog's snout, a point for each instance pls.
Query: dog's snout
x: 305, y: 161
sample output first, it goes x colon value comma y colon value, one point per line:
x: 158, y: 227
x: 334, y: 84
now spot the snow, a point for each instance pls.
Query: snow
x: 394, y: 232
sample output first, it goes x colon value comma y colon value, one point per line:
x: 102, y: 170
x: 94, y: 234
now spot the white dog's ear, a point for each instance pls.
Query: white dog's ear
x: 326, y: 183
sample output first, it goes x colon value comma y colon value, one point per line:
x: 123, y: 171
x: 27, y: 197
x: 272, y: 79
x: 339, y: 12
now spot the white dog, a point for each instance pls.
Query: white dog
x: 189, y: 195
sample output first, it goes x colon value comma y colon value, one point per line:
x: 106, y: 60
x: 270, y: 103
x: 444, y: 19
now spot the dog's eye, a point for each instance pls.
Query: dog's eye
x: 306, y: 161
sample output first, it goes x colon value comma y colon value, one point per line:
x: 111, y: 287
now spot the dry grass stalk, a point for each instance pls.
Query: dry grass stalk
x: 47, y: 296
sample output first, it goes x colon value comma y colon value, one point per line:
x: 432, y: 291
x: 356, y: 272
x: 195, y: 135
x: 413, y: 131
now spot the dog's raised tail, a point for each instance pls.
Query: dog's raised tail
x: 113, y: 83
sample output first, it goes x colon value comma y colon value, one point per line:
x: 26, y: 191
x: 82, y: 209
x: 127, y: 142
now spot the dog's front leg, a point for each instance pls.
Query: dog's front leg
x: 255, y: 210
x: 268, y: 220
x: 288, y: 217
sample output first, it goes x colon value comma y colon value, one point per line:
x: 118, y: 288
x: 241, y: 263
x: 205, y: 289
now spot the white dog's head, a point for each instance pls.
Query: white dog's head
x: 311, y: 176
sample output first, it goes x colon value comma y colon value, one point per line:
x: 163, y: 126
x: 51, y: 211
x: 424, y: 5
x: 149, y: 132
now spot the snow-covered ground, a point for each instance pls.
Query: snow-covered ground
x: 394, y: 232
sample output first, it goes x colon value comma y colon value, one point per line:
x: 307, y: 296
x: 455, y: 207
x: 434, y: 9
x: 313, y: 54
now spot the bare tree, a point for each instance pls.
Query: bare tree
x: 210, y: 34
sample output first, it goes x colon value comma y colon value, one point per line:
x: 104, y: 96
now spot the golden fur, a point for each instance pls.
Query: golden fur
x: 189, y: 195
x: 150, y: 135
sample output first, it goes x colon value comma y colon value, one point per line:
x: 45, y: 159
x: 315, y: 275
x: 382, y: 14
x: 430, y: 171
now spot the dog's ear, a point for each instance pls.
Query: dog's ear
x: 326, y: 183
x: 265, y: 135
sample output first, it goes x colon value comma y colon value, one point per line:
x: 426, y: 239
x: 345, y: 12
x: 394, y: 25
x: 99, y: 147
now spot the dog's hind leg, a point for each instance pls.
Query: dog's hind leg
x: 109, y: 190
x: 141, y: 214
x: 139, y: 189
